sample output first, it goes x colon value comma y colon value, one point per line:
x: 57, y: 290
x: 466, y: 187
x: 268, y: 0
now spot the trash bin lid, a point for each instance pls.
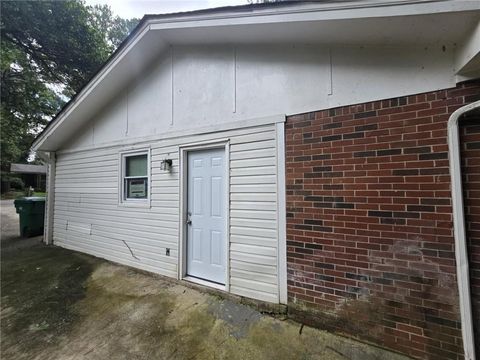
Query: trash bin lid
x: 30, y: 198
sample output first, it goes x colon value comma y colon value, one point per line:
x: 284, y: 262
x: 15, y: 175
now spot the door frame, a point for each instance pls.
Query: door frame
x: 183, y: 198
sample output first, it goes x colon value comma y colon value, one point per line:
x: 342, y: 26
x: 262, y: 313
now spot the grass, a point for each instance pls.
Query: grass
x: 18, y: 194
x: 12, y: 195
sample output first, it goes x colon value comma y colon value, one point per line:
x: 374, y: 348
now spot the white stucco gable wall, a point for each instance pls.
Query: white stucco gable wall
x: 197, y: 86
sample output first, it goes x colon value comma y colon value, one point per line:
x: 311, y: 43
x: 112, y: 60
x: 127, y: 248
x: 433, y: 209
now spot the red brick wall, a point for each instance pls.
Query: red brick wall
x: 369, y: 221
x: 470, y: 145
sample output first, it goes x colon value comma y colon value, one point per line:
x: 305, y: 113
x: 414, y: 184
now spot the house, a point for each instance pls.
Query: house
x: 32, y: 175
x: 294, y: 153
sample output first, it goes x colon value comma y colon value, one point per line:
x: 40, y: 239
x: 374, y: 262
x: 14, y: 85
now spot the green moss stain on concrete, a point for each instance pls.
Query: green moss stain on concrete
x: 79, y: 307
x: 39, y: 287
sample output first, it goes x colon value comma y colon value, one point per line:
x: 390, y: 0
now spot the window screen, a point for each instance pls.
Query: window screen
x: 135, y: 181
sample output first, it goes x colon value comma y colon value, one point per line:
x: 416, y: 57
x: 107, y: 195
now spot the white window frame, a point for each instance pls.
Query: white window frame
x: 122, y: 199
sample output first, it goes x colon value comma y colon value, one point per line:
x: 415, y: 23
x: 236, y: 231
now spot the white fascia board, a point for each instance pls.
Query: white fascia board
x: 36, y: 146
x: 316, y: 12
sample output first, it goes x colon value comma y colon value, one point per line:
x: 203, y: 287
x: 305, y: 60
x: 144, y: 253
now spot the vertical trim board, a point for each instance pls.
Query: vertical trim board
x: 281, y: 214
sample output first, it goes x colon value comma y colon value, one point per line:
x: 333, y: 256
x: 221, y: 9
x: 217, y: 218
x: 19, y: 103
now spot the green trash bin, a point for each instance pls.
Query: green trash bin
x: 32, y: 213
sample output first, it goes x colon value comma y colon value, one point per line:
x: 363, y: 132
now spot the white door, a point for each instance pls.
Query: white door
x: 206, y: 238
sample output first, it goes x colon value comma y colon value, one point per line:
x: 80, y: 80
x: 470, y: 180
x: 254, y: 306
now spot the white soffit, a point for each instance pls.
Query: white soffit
x: 446, y: 29
x: 339, y: 22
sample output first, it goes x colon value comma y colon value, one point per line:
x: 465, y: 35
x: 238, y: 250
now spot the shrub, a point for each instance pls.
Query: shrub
x: 17, y: 183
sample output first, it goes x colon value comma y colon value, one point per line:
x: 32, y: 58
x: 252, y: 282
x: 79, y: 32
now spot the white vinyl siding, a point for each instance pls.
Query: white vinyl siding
x: 88, y: 217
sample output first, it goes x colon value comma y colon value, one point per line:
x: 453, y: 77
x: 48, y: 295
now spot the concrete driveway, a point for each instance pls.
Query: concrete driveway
x: 10, y: 229
x: 60, y: 304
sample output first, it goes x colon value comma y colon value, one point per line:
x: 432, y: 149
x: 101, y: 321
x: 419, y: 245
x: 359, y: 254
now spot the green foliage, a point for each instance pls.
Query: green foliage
x: 58, y: 38
x: 26, y: 104
x: 114, y: 28
x: 17, y: 183
x: 49, y: 49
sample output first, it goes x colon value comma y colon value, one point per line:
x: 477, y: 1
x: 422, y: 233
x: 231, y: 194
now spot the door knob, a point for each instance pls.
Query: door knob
x: 189, y: 220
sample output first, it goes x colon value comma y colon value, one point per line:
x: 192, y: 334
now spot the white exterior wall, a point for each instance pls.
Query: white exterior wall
x: 89, y: 218
x: 198, y: 86
x: 218, y: 87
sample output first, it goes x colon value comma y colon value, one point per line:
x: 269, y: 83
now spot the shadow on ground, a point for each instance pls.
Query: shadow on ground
x: 40, y: 287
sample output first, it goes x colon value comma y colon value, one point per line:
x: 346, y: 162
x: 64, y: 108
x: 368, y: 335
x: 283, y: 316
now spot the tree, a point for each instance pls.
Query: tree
x: 57, y: 37
x: 26, y: 104
x: 49, y: 50
x: 114, y: 28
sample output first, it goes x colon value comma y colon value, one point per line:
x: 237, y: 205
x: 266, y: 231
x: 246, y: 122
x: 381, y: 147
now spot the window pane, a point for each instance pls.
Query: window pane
x: 136, y: 188
x: 136, y: 165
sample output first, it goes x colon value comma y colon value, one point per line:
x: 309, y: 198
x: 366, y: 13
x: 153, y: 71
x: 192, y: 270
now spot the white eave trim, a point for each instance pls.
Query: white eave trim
x: 461, y: 254
x: 139, y: 141
x: 333, y: 10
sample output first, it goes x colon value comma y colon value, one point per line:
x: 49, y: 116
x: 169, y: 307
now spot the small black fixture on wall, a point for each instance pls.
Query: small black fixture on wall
x: 166, y: 165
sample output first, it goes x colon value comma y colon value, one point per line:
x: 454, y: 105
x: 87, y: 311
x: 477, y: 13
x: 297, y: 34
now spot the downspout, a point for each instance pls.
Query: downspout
x: 50, y: 159
x: 461, y: 255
